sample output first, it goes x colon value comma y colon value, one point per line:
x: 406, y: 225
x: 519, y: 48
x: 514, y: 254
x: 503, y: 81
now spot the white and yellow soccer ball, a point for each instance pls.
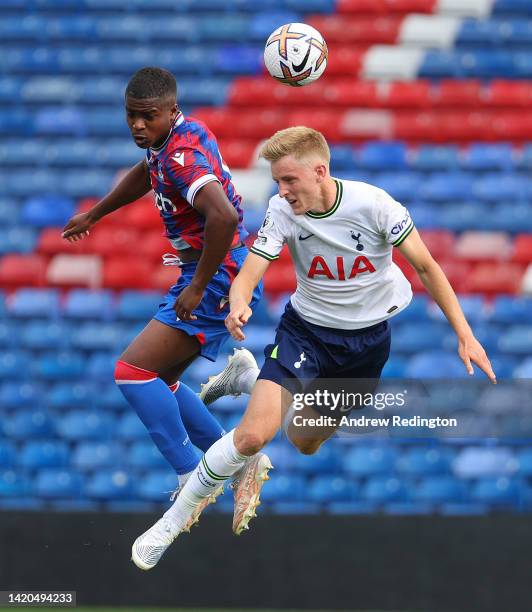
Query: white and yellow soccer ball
x: 296, y: 54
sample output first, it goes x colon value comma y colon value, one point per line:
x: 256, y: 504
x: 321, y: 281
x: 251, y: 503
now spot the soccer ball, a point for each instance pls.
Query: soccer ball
x: 296, y: 54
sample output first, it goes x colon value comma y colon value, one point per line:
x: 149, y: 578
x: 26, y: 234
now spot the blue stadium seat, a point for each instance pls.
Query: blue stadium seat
x: 508, y: 310
x: 71, y: 154
x: 353, y: 507
x: 442, y: 187
x: 21, y: 153
x: 283, y: 455
x: 86, y: 425
x: 59, y: 365
x: 408, y: 508
x: 10, y: 215
x: 101, y: 366
x: 440, y: 489
x: 49, y: 90
x: 157, y: 485
x: 110, y: 398
x: 264, y: 23
x: 137, y: 305
x: 370, y: 460
x: 106, y: 122
x: 311, y: 6
x: 383, y: 489
x: 422, y: 461
x: 130, y: 427
x: 224, y: 28
x: 342, y: 158
x: 10, y: 88
x: 70, y: 27
x: 435, y: 364
x: 13, y: 484
x: 57, y: 484
x: 500, y: 493
x: 89, y: 456
x: 524, y: 369
x: 511, y: 7
x: 17, y: 239
x: 484, y: 157
x: 523, y: 64
x: 474, y: 462
x: 332, y: 488
x: 457, y: 217
x: 45, y: 335
x: 89, y: 304
x: 441, y: 64
x: 285, y: 487
x: 476, y: 32
x: 524, y: 458
x: 17, y: 122
x: 14, y: 365
x: 415, y: 337
x: 203, y: 92
x: 500, y: 187
x: 20, y: 395
x: 81, y: 60
x: 97, y: 337
x: 88, y: 183
x: 395, y: 367
x: 402, y: 186
x: 431, y: 158
x: 65, y: 396
x: 383, y: 156
x: 103, y: 90
x: 110, y: 485
x: 326, y: 460
x: 118, y: 153
x: 121, y: 28
x: 517, y: 340
x: 509, y: 217
x: 44, y: 454
x: 58, y: 121
x: 34, y: 303
x: 145, y: 455
x: 27, y: 425
x: 296, y: 508
x: 8, y: 454
x: 238, y: 60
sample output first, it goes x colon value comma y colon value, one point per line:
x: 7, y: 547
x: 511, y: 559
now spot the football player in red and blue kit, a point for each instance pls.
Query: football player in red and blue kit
x: 201, y: 213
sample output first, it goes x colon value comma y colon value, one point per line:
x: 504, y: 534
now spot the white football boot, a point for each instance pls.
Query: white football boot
x: 149, y: 547
x: 246, y: 486
x: 225, y: 383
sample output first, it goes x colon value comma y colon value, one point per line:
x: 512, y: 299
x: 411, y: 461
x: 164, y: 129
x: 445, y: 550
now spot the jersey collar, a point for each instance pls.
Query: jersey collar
x: 338, y: 199
x: 177, y: 121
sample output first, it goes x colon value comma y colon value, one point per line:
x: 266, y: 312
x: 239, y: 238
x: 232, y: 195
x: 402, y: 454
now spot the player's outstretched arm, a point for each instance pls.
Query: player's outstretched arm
x: 133, y: 186
x: 221, y: 221
x: 241, y: 293
x: 436, y: 283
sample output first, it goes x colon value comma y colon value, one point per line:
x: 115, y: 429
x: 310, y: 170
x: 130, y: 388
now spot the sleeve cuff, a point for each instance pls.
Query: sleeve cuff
x: 197, y: 185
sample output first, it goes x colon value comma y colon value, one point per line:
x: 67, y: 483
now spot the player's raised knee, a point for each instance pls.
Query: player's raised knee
x: 306, y: 446
x: 249, y: 442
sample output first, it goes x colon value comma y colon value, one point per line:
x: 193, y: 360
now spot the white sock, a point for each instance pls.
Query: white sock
x: 246, y: 379
x: 219, y: 463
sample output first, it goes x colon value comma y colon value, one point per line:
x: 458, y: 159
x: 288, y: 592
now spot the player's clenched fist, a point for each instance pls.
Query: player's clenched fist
x: 236, y: 319
x: 77, y: 228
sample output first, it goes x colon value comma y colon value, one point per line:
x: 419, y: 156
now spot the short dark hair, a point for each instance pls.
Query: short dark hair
x: 152, y: 82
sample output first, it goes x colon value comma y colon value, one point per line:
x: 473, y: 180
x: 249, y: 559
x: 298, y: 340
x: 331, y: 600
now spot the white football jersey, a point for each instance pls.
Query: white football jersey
x: 343, y: 258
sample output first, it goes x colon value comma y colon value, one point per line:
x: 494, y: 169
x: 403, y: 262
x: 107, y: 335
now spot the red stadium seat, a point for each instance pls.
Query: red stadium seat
x: 416, y: 94
x: 384, y: 7
x: 417, y: 126
x: 280, y: 278
x: 509, y: 94
x: 511, y: 125
x: 326, y: 121
x: 74, y: 271
x: 494, y: 278
x: 483, y: 246
x: 237, y: 153
x: 51, y: 243
x: 456, y: 272
x: 523, y: 249
x: 163, y: 277
x: 127, y: 273
x: 153, y: 245
x: 350, y: 93
x: 86, y: 204
x: 142, y: 214
x: 258, y: 123
x: 344, y: 60
x: 439, y: 242
x: 357, y: 30
x: 457, y: 94
x: 22, y: 271
x: 251, y: 91
x: 109, y: 241
x: 221, y: 121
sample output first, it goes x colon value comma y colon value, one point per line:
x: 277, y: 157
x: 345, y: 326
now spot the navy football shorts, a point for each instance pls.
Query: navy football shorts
x: 303, y: 352
x: 209, y: 328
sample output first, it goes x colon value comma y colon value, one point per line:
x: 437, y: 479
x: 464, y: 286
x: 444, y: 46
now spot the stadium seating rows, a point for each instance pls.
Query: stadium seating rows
x: 446, y: 75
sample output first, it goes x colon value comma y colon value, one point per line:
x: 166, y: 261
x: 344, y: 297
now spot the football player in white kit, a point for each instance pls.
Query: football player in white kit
x: 340, y: 235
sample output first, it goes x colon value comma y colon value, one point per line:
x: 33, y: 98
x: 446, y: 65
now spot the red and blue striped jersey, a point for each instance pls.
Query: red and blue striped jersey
x: 187, y: 160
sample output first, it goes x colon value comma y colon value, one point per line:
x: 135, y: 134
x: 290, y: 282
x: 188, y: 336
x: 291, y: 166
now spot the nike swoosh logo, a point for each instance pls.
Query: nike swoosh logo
x: 300, y: 67
x: 305, y: 237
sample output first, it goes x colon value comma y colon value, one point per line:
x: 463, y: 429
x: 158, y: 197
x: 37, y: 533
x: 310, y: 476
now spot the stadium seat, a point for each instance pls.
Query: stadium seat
x: 87, y: 304
x: 432, y: 158
x: 45, y: 335
x: 486, y: 157
x: 8, y: 454
x: 522, y: 252
x: 58, y: 483
x: 17, y: 239
x: 435, y: 364
x: 415, y: 337
x: 129, y: 427
x: 127, y: 273
x: 47, y: 454
x: 483, y: 246
x: 383, y: 489
x: 14, y: 365
x: 13, y: 484
x: 29, y: 424
x: 500, y: 493
x: 157, y: 485
x: 424, y: 461
x: 440, y: 489
x: 34, y: 303
x: 90, y: 456
x: 112, y: 241
x: 332, y: 488
x: 74, y: 271
x: 145, y: 455
x: 108, y: 485
x: 22, y: 271
x: 285, y: 488
x: 517, y: 340
x: 86, y: 425
x: 97, y: 336
x: 493, y: 279
x: 370, y: 460
x: 507, y: 310
x: 457, y: 94
x: 59, y: 365
x: 20, y: 395
x: 475, y: 462
x: 326, y: 460
x: 64, y: 396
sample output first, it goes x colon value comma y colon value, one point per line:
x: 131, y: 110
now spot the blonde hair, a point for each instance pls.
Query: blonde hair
x: 299, y: 141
